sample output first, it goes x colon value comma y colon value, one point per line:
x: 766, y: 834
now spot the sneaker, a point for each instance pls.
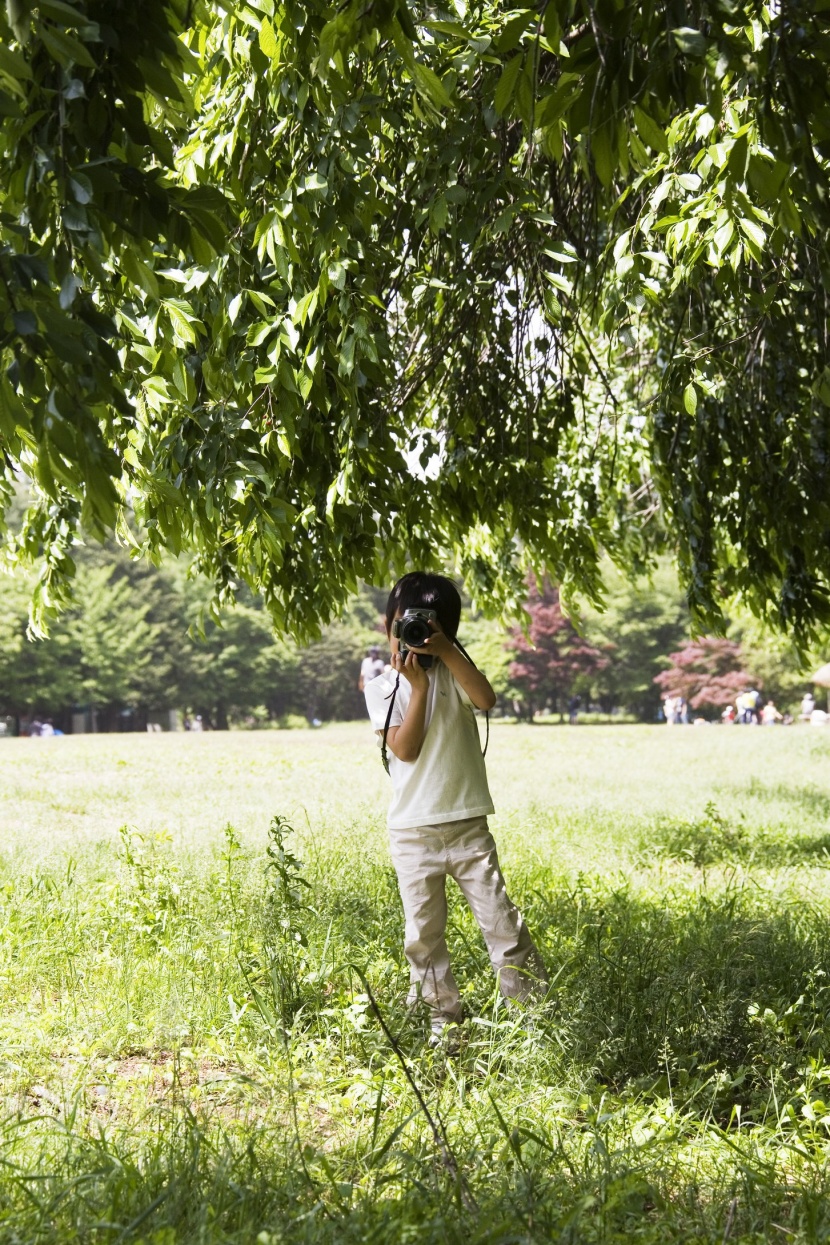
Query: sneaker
x: 445, y: 1035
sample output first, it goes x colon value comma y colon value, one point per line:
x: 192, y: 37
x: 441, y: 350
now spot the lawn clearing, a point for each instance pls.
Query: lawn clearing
x: 190, y: 1052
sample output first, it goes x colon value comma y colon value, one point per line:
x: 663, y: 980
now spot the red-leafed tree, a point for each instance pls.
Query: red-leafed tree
x: 708, y: 672
x: 553, y: 660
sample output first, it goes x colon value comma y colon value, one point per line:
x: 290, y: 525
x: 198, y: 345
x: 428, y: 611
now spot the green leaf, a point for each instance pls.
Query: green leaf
x: 18, y: 13
x: 25, y: 322
x: 65, y: 49
x: 181, y: 324
x: 12, y: 410
x: 513, y: 31
x: 649, y: 130
x: 691, y: 42
x: 306, y: 307
x: 65, y: 14
x: 524, y: 93
x: 183, y: 380
x: 738, y: 157
x: 553, y: 307
x: 162, y: 83
x: 235, y: 306
x: 263, y: 225
x: 506, y: 86
x: 754, y: 232
x: 139, y: 273
x: 552, y: 25
x: 81, y: 188
x: 14, y: 65
x: 448, y: 28
x: 439, y: 214
x: 69, y: 289
x: 690, y: 398
x: 430, y: 85
x: 259, y: 331
x: 821, y: 388
x: 766, y: 178
x: 268, y: 40
x: 602, y: 153
x: 559, y: 282
x: 337, y: 36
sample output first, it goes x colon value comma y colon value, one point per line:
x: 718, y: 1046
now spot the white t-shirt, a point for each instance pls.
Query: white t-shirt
x: 370, y: 668
x: 448, y: 781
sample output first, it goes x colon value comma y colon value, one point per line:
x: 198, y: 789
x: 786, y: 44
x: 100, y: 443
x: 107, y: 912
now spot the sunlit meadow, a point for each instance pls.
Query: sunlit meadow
x: 203, y: 1029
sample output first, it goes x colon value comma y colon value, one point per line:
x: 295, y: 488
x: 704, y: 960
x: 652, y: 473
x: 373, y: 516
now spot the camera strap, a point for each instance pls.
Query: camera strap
x: 384, y: 754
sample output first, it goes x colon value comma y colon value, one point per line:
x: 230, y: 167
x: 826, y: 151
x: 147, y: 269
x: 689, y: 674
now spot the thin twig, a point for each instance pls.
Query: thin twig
x: 439, y: 1134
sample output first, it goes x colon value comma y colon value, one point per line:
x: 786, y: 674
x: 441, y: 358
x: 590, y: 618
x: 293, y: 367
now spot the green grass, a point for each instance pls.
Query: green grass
x: 190, y: 1052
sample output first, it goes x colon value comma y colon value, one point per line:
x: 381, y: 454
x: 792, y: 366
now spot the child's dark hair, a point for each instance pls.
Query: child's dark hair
x: 420, y: 590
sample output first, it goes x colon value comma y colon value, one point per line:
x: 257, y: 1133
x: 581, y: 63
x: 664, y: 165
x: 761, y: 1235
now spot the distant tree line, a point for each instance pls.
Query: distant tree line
x: 638, y: 651
x: 139, y: 641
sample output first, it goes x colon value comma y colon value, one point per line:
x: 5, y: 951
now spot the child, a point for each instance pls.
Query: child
x: 440, y: 802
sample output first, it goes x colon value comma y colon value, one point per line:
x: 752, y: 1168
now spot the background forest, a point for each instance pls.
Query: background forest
x: 139, y: 642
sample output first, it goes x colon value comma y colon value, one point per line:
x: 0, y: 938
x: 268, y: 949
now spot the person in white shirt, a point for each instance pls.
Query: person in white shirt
x: 371, y: 666
x: 440, y: 803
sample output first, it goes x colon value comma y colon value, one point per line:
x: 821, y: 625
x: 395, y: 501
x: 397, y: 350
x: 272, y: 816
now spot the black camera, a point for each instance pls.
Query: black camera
x: 413, y: 630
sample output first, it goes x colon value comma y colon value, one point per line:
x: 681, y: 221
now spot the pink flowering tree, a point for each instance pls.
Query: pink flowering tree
x: 553, y: 660
x: 709, y: 673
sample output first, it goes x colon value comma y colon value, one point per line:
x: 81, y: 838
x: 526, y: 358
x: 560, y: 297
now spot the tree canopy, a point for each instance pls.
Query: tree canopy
x: 708, y: 673
x: 321, y: 291
x: 553, y: 660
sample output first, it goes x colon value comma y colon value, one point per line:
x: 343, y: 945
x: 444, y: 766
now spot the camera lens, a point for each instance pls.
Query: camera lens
x: 415, y: 632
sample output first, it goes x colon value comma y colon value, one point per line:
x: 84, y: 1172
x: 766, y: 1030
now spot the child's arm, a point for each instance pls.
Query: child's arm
x: 407, y: 739
x: 473, y: 681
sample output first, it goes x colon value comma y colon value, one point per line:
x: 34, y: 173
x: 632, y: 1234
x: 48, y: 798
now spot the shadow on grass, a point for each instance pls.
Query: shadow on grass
x: 688, y: 986
x: 650, y: 987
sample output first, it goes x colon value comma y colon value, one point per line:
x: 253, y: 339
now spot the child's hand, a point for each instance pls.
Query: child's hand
x: 411, y: 669
x: 438, y: 645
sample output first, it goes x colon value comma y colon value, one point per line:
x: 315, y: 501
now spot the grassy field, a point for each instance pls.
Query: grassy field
x: 191, y: 1053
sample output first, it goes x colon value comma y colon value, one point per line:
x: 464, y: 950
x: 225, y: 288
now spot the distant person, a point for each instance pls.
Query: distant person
x: 728, y: 715
x: 573, y: 709
x: 47, y: 729
x: 371, y: 666
x: 35, y: 728
x: 749, y: 708
x: 668, y: 710
x: 188, y: 725
x: 769, y: 714
x: 675, y: 710
x: 808, y: 704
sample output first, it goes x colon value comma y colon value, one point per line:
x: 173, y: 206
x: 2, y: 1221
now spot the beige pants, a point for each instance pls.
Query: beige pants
x: 423, y: 858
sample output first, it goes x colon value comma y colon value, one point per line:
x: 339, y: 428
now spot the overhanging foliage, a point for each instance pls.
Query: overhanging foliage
x: 317, y: 290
